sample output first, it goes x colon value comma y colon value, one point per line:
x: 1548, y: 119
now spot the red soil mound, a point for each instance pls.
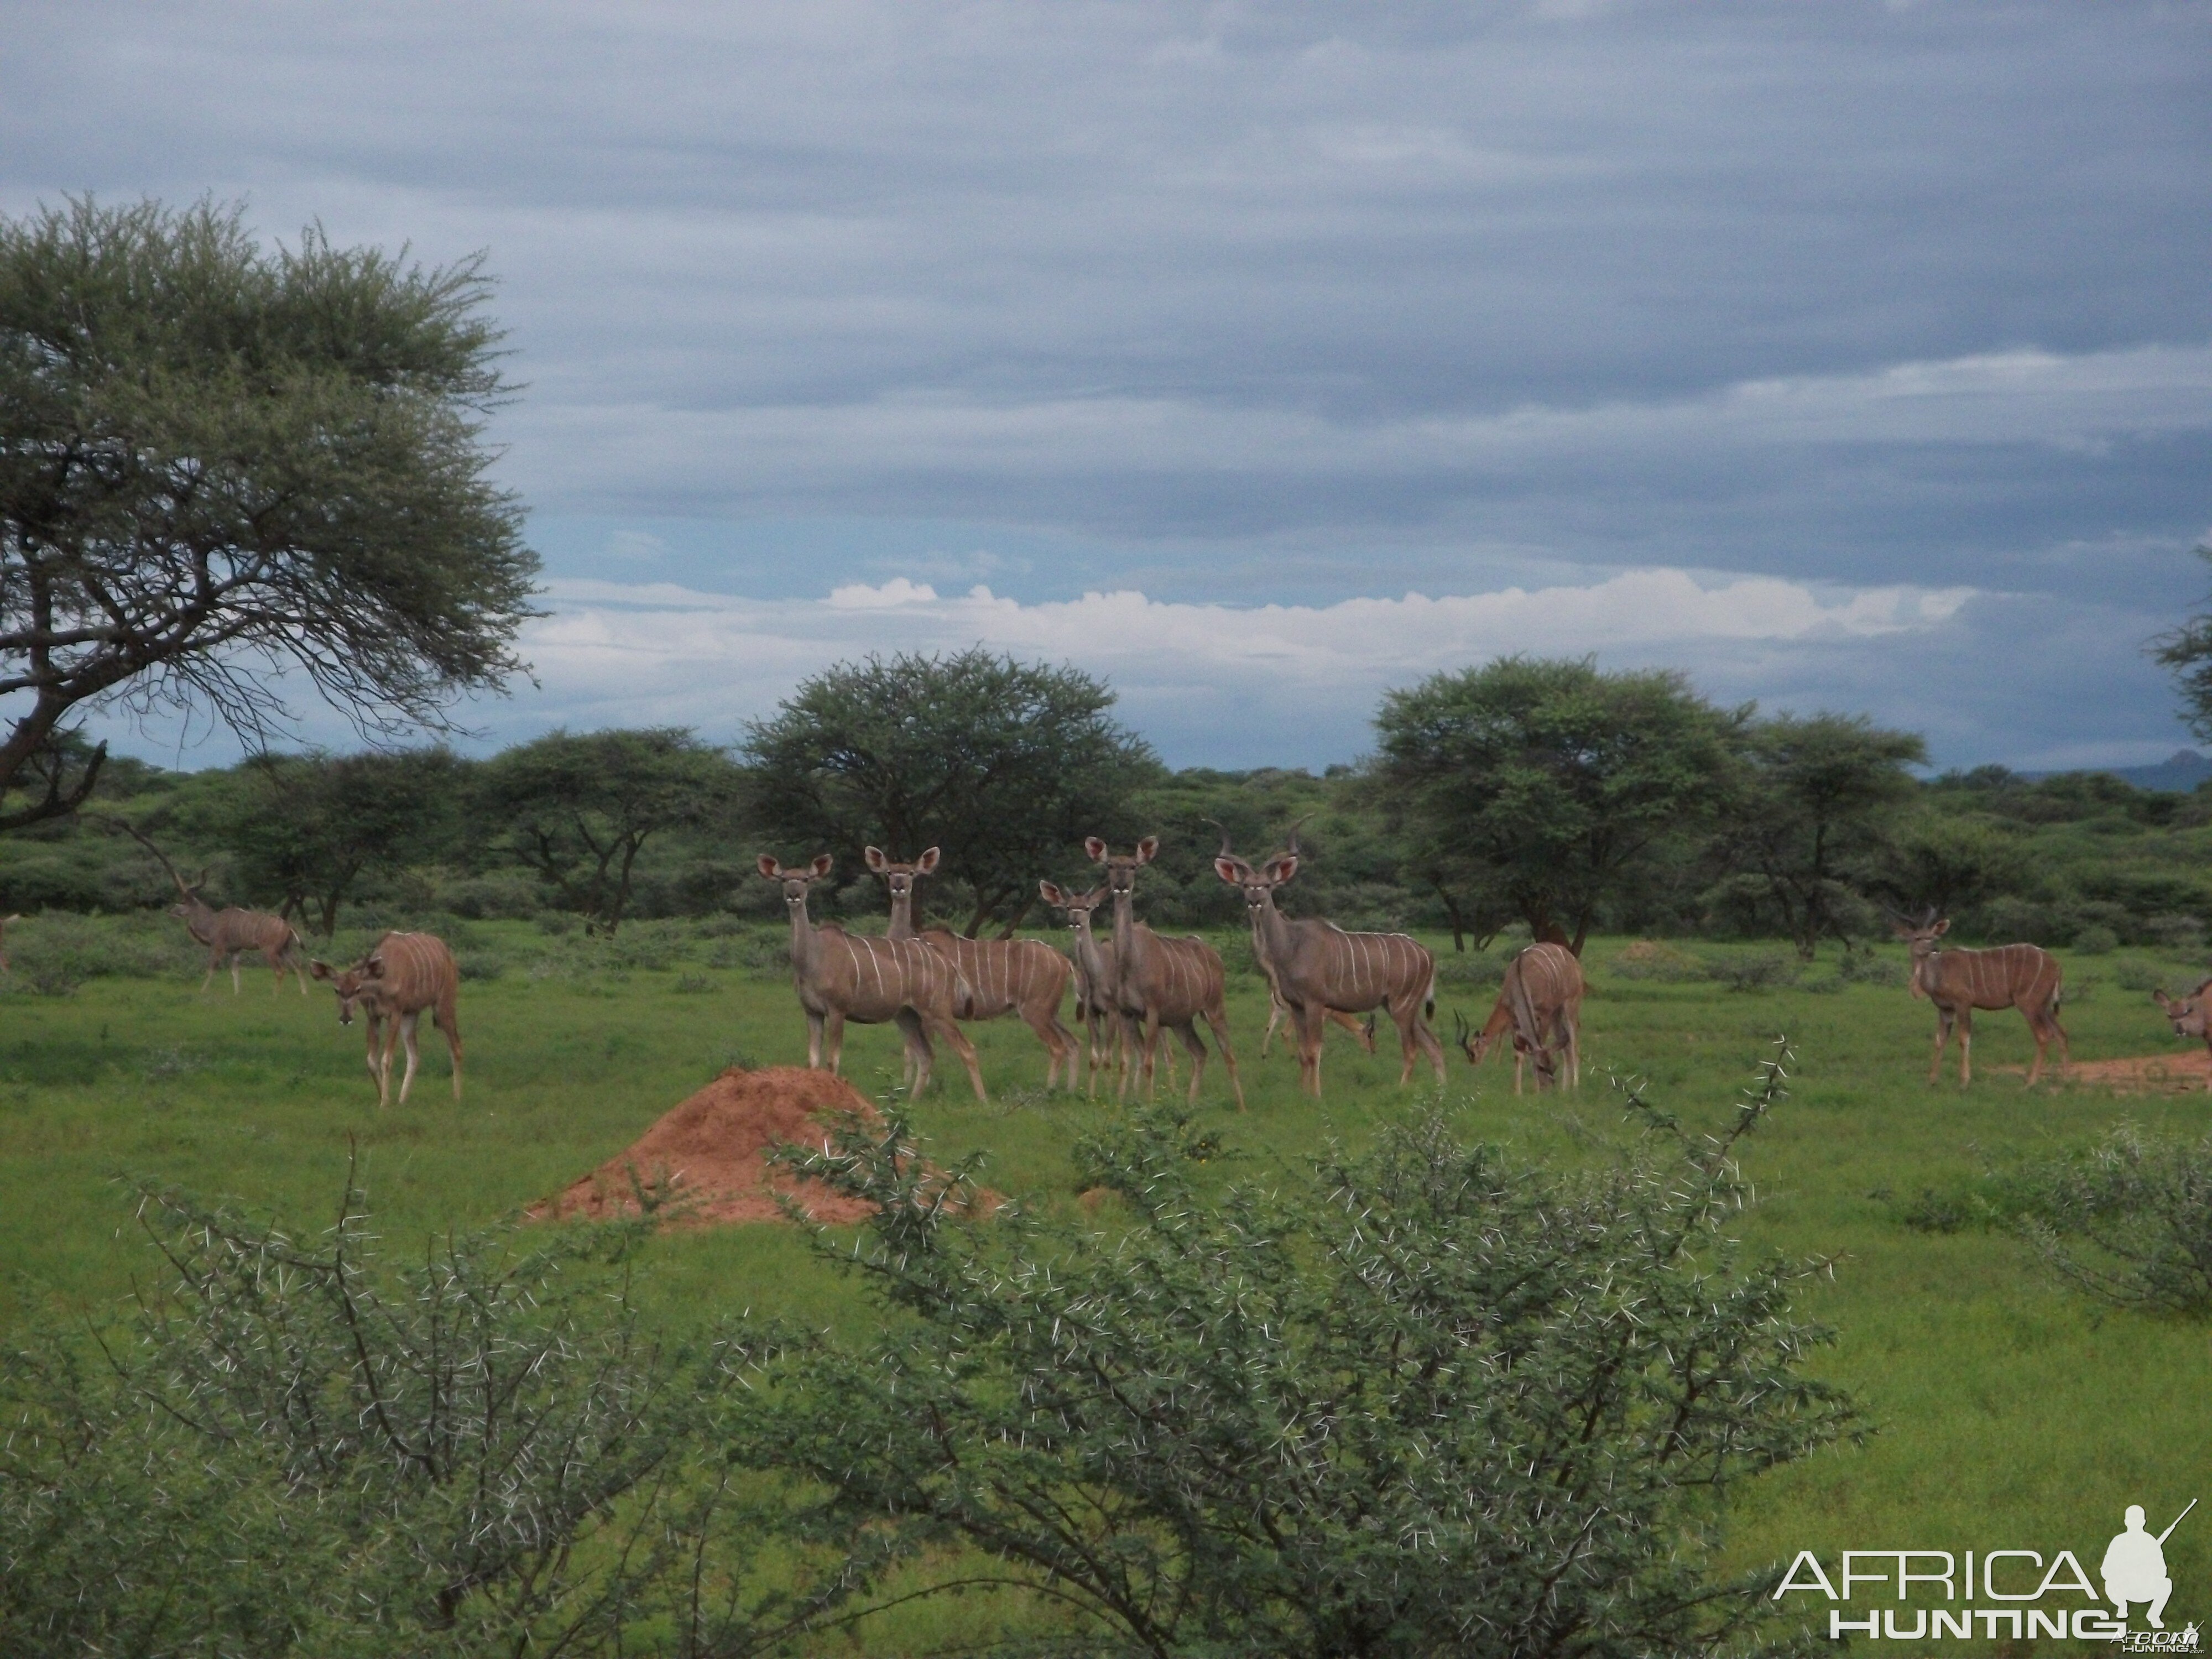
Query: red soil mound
x: 2184, y: 1071
x: 709, y: 1154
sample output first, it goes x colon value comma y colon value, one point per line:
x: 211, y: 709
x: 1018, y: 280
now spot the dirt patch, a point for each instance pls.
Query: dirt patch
x: 708, y: 1156
x: 2180, y: 1072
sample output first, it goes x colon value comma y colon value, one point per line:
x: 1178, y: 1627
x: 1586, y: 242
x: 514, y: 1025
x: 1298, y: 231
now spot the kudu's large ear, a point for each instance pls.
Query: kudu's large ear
x: 2163, y: 1001
x: 1049, y: 891
x: 1146, y: 848
x: 372, y: 966
x: 1942, y: 926
x: 321, y: 970
x: 1282, y: 867
x: 821, y: 864
x: 927, y: 864
x: 1231, y: 869
x: 873, y: 857
x: 1095, y: 849
x: 770, y: 868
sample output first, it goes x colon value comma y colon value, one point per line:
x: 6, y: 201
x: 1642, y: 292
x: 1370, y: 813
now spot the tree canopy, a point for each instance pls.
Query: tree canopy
x: 2188, y: 652
x: 1545, y: 785
x: 220, y: 466
x: 1005, y: 765
x: 578, y: 809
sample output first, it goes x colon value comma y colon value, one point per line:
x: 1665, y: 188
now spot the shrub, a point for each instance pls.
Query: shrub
x: 2129, y: 1221
x: 2176, y: 931
x: 1865, y: 967
x: 695, y: 984
x: 1764, y: 970
x: 1470, y: 968
x: 757, y: 950
x: 1425, y: 1401
x: 479, y: 964
x: 1651, y: 959
x: 2096, y: 940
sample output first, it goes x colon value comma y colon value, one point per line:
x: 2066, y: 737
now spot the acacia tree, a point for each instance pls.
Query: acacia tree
x: 2188, y: 652
x: 309, y: 827
x: 222, y: 466
x: 1004, y: 765
x: 1547, y: 786
x: 1815, y: 810
x: 579, y: 809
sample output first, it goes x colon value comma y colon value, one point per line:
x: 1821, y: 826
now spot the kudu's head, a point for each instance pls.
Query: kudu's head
x: 1476, y: 1046
x: 1078, y: 906
x: 1920, y: 935
x: 1122, y: 867
x: 900, y: 878
x: 354, y: 985
x: 2187, y: 1012
x: 1258, y: 885
x: 795, y: 883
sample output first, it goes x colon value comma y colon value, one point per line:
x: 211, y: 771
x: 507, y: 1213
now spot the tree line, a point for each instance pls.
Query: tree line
x: 1544, y: 796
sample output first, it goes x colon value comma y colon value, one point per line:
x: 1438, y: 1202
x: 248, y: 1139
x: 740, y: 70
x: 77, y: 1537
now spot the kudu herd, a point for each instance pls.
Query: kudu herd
x: 1130, y: 986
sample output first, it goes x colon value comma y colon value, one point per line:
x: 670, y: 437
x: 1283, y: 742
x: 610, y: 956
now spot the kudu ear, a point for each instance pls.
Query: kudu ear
x: 1146, y: 848
x: 927, y: 864
x: 770, y: 868
x: 1049, y: 891
x: 1282, y: 867
x: 822, y: 864
x: 873, y: 857
x: 321, y: 970
x: 1095, y: 849
x: 372, y: 966
x: 2163, y: 1001
x: 1942, y: 926
x: 1231, y: 870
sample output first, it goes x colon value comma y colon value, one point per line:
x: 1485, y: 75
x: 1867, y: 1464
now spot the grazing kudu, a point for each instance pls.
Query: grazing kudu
x: 2187, y: 1014
x: 230, y: 931
x: 402, y: 975
x: 1176, y: 982
x: 1540, y: 1003
x: 1316, y: 969
x: 846, y: 976
x: 5, y: 923
x: 998, y: 976
x: 2022, y: 976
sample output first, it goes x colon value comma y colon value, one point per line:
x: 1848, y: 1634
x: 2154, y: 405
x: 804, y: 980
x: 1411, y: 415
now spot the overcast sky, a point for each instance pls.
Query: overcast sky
x: 1261, y: 358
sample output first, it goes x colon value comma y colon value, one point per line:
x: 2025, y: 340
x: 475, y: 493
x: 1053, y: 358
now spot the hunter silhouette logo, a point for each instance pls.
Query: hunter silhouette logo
x: 1993, y: 1594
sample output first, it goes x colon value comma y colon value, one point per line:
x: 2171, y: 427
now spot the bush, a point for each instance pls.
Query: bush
x: 1426, y: 1400
x: 1865, y: 967
x: 296, y: 1447
x: 2129, y: 1221
x: 1470, y: 968
x: 2096, y: 940
x: 756, y: 951
x: 2176, y: 931
x: 1651, y: 959
x: 479, y: 964
x: 1764, y: 970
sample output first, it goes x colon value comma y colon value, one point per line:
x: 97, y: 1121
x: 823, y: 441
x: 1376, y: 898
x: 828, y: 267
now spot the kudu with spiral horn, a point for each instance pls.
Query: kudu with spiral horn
x: 1316, y: 966
x: 229, y: 933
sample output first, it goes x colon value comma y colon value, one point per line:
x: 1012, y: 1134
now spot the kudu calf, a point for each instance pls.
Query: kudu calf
x: 1175, y: 983
x: 2188, y: 1015
x: 1317, y: 970
x: 845, y: 976
x: 1540, y: 1003
x: 998, y: 976
x: 402, y: 975
x: 230, y: 931
x: 2022, y: 976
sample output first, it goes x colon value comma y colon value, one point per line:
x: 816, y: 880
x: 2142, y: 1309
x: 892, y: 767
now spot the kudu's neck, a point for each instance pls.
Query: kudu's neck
x: 901, y: 915
x: 1125, y: 930
x: 804, y: 942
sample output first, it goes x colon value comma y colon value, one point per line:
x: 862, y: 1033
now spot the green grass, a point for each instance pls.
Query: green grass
x: 2010, y: 1412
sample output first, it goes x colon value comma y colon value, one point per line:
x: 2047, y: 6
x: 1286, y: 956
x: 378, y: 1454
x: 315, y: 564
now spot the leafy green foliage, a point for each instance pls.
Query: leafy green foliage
x: 1423, y: 1402
x: 217, y: 462
x: 1005, y: 766
x: 1548, y: 786
x: 2129, y: 1221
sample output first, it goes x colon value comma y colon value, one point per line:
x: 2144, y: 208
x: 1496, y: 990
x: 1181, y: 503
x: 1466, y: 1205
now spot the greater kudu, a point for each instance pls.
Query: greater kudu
x: 2188, y: 1016
x: 998, y: 976
x: 1316, y: 969
x: 1098, y: 986
x: 230, y: 931
x: 2022, y: 976
x: 402, y: 975
x: 1175, y: 982
x: 1540, y: 1003
x: 847, y: 976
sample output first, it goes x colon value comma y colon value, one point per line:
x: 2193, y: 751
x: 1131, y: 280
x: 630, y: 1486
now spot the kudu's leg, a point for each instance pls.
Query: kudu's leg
x: 387, y: 1039
x: 1275, y: 1012
x: 215, y: 961
x: 1966, y: 1047
x: 407, y: 1022
x: 448, y: 1020
x: 833, y: 1039
x: 918, y: 1060
x: 1187, y: 1034
x: 961, y: 1045
x: 237, y: 984
x: 1306, y: 1027
x: 1414, y: 1033
x: 1942, y: 1040
x: 376, y: 1054
x: 1218, y: 1019
x: 813, y: 1041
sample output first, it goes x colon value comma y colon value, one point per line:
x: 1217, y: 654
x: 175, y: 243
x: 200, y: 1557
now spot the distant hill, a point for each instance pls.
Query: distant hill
x: 2178, y: 774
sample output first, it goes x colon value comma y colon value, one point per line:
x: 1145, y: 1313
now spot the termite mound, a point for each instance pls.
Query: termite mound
x: 706, y: 1162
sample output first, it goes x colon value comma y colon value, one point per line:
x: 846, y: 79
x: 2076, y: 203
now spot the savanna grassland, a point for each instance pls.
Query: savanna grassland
x: 2008, y: 1410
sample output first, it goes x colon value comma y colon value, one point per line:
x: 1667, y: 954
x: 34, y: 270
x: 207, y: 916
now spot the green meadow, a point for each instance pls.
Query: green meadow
x: 2009, y: 1411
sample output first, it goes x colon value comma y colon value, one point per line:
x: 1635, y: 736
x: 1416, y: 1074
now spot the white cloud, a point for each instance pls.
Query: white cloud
x: 629, y: 653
